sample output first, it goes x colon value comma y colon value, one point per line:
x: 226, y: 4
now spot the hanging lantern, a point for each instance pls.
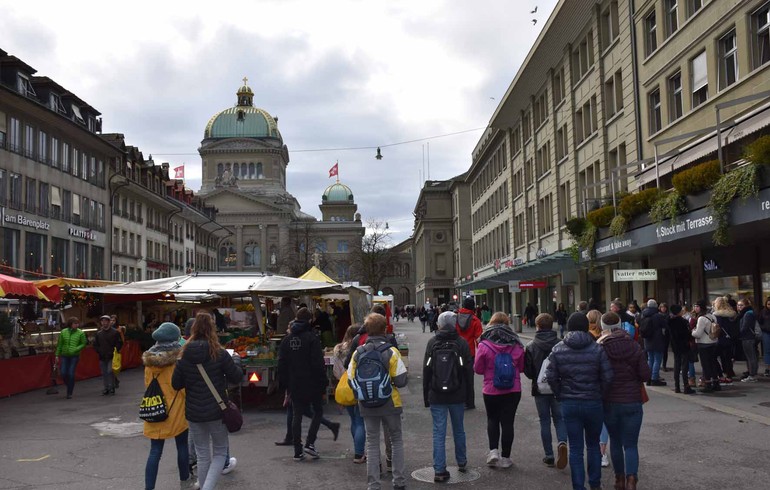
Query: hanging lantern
x: 379, y: 154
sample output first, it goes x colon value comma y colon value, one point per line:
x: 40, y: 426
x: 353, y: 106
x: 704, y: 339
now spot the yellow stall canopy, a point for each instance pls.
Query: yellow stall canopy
x: 316, y: 274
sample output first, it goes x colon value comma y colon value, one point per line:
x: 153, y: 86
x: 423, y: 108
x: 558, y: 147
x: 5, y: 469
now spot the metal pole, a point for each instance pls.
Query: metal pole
x: 719, y: 144
x: 657, y: 170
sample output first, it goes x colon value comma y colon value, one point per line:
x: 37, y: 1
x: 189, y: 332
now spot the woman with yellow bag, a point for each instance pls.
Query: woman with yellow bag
x: 117, y: 357
x: 343, y: 394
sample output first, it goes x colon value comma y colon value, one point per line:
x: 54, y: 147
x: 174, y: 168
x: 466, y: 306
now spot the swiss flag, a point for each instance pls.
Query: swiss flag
x: 179, y: 172
x: 334, y: 170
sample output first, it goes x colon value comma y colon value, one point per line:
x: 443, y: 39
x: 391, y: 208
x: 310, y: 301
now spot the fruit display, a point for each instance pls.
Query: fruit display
x: 256, y: 347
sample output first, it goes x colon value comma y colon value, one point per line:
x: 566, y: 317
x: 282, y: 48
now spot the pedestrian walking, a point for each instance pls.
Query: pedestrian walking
x: 159, y: 362
x: 764, y: 324
x: 561, y: 319
x: 203, y: 413
x: 357, y: 429
x: 71, y: 343
x: 623, y: 401
x: 469, y: 327
x: 500, y: 359
x: 548, y: 407
x: 106, y: 343
x: 302, y: 373
x: 707, y: 346
x: 727, y: 319
x: 447, y: 370
x: 530, y: 312
x: 117, y: 357
x: 579, y: 373
x: 423, y: 316
x: 486, y: 314
x: 381, y: 362
x: 748, y: 339
x: 652, y: 328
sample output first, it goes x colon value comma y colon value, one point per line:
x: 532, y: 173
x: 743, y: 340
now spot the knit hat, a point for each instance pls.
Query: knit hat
x: 447, y: 321
x: 166, y: 332
x: 469, y: 303
x: 652, y: 303
x: 188, y: 326
x: 304, y: 315
x: 610, y: 321
x: 577, y: 322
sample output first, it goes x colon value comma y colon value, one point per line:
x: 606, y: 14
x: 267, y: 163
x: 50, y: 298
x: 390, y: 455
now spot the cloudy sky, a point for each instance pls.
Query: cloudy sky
x: 338, y: 74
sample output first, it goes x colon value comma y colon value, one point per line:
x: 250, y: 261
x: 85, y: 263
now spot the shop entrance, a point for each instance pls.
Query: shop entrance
x: 675, y: 286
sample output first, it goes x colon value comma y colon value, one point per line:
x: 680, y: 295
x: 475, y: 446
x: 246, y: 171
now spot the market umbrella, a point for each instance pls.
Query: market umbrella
x: 52, y: 288
x: 13, y: 287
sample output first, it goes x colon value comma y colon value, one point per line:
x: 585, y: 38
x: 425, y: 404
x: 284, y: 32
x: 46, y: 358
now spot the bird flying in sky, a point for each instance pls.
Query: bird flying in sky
x: 534, y: 21
x: 534, y: 11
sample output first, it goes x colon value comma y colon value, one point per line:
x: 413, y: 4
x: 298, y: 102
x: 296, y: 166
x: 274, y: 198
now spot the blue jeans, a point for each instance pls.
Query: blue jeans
x: 766, y: 348
x: 691, y: 370
x: 153, y: 460
x: 456, y: 412
x: 106, y: 366
x: 624, y: 421
x: 68, y: 365
x: 357, y: 430
x: 562, y: 328
x: 549, y: 407
x: 208, y: 435
x: 654, y: 358
x: 584, y: 419
x: 604, y: 437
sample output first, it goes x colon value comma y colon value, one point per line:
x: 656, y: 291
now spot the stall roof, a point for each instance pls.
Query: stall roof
x: 316, y: 274
x: 223, y: 284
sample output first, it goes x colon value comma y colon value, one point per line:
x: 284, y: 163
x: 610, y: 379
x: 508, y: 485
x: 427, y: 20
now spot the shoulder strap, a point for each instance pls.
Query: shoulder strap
x: 214, y: 392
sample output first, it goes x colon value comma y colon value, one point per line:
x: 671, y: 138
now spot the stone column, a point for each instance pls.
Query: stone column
x: 239, y: 247
x: 265, y: 255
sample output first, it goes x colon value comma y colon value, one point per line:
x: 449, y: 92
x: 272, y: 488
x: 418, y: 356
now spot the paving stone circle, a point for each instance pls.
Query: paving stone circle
x: 426, y: 475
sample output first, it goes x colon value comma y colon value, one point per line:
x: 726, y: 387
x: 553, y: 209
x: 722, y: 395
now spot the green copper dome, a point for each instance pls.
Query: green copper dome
x: 339, y: 193
x: 242, y: 121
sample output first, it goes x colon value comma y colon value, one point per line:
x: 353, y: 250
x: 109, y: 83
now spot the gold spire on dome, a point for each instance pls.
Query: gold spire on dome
x: 245, y: 94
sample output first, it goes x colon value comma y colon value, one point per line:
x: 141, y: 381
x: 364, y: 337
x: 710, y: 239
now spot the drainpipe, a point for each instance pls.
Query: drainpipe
x: 635, y: 71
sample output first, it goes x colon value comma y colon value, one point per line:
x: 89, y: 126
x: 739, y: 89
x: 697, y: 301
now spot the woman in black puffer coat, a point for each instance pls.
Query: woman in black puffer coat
x: 749, y: 342
x: 203, y: 413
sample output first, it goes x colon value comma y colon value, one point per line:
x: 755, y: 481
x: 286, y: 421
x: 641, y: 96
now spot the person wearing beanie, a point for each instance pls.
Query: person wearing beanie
x: 579, y: 374
x: 623, y: 400
x: 652, y: 327
x: 159, y: 361
x: 500, y: 345
x: 679, y: 330
x: 106, y: 342
x: 447, y: 370
x: 547, y: 405
x: 302, y: 373
x: 469, y: 327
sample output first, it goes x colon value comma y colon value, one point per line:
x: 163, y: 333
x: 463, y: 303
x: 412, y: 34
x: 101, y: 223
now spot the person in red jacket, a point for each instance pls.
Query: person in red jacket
x: 469, y: 327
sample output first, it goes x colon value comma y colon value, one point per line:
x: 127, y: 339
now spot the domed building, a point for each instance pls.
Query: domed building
x: 244, y: 161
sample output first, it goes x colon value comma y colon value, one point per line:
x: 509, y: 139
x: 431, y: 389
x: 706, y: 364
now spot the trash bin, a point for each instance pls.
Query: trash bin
x: 516, y: 323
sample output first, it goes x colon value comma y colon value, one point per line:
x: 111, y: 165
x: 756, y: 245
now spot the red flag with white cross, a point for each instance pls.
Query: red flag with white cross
x: 179, y: 172
x: 334, y: 170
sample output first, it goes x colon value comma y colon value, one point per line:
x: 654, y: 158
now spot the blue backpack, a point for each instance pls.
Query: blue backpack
x: 629, y: 327
x: 505, y: 371
x: 371, y: 384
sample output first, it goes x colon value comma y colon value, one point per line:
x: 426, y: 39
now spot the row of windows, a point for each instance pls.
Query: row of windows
x: 494, y: 205
x: 727, y: 71
x: 51, y: 151
x: 670, y: 22
x: 46, y: 200
x: 86, y: 261
x: 494, y: 245
x: 242, y: 171
x: 493, y: 168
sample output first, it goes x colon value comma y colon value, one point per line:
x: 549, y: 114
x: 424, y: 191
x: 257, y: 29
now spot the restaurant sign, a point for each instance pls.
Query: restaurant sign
x: 635, y: 275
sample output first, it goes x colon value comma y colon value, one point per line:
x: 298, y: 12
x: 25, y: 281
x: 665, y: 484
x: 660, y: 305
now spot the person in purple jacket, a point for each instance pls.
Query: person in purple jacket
x: 500, y: 359
x: 623, y: 401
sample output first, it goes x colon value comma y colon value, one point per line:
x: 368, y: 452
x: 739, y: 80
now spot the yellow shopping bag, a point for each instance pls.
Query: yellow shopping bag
x: 117, y: 361
x: 343, y: 394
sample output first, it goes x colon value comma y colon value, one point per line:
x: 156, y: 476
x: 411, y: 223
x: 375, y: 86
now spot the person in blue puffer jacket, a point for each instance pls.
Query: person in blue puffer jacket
x: 580, y: 374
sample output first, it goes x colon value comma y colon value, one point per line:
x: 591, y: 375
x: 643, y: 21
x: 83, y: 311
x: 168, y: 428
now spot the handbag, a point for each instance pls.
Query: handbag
x: 117, y: 361
x: 231, y: 415
x: 343, y: 394
x: 645, y: 396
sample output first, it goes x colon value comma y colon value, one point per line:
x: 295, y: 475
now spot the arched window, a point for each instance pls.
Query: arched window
x: 273, y: 255
x: 406, y: 270
x: 260, y: 173
x: 237, y: 170
x: 252, y: 255
x: 220, y: 170
x: 227, y: 255
x: 244, y: 171
x: 251, y: 170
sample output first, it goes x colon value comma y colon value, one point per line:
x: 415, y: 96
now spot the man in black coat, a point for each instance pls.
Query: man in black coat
x: 302, y: 373
x: 652, y: 328
x: 454, y: 398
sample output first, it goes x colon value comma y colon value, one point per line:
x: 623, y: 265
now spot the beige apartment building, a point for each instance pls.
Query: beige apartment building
x: 613, y: 97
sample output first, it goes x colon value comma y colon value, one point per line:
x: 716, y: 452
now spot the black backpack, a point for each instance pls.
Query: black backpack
x: 447, y: 367
x: 646, y: 328
x: 153, y: 406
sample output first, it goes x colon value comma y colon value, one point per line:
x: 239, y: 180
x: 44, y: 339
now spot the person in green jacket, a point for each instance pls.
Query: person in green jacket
x: 72, y: 341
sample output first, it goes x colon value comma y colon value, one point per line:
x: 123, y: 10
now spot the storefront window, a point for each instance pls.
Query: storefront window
x: 59, y: 256
x: 765, y: 286
x: 10, y: 251
x: 97, y: 262
x: 35, y: 249
x: 738, y: 287
x: 81, y: 260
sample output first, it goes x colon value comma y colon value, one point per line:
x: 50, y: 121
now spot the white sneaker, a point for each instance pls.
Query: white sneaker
x: 493, y: 457
x: 230, y: 467
x: 749, y: 379
x: 505, y: 463
x: 605, y: 461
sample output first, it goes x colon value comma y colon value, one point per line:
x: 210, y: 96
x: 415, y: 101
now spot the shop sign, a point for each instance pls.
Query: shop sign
x: 82, y: 233
x: 157, y: 265
x: 685, y: 226
x: 477, y: 292
x: 532, y: 284
x: 710, y: 265
x: 635, y: 275
x: 513, y: 286
x: 507, y: 264
x: 20, y: 219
